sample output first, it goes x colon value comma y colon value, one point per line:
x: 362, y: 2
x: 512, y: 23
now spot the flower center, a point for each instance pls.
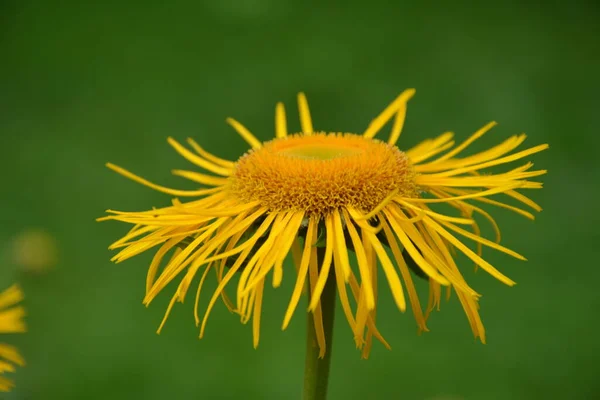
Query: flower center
x: 325, y: 151
x: 322, y: 172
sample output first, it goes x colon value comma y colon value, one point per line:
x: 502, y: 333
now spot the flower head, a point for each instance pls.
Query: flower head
x: 11, y: 321
x: 322, y: 196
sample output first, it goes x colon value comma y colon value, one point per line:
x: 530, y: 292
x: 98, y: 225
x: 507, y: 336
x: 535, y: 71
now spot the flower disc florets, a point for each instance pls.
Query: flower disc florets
x: 323, y: 172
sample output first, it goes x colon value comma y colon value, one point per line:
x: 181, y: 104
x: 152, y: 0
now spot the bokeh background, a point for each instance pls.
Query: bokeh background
x: 83, y: 83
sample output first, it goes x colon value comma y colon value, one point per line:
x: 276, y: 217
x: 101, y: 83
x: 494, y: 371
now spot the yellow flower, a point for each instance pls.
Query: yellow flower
x: 11, y: 321
x: 331, y: 192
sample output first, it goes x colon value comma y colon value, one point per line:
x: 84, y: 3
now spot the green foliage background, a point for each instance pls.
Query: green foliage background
x: 86, y: 83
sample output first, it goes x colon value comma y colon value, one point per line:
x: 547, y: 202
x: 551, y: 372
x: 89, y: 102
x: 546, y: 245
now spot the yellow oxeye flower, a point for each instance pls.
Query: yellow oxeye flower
x: 11, y: 321
x: 336, y: 192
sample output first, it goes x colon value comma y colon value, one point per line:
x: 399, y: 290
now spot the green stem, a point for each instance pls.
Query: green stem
x: 316, y: 370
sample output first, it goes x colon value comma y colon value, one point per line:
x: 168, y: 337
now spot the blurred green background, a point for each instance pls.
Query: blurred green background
x: 83, y: 83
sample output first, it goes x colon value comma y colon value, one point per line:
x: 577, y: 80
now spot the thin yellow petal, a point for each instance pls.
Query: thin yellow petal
x: 340, y: 244
x: 256, y: 313
x: 517, y: 210
x: 341, y: 286
x: 482, y: 240
x: 197, y: 160
x: 414, y: 253
x: 305, y: 119
x: 244, y: 133
x: 390, y: 273
x: 479, y: 133
x: 200, y: 178
x: 472, y: 195
x: 523, y: 199
x: 387, y: 114
x: 491, y: 163
x: 362, y: 314
x: 469, y: 253
x: 412, y: 292
x: 398, y: 125
x: 465, y: 221
x: 210, y: 157
x: 363, y: 265
x: 280, y: 121
x: 289, y: 237
x: 326, y: 265
x: 302, y: 272
x: 415, y: 159
x: 198, y: 291
x: 11, y: 354
x: 11, y: 296
x: 156, y: 260
x: 174, y: 192
x: 426, y: 147
x: 362, y: 221
x: 313, y: 276
x: 167, y: 313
